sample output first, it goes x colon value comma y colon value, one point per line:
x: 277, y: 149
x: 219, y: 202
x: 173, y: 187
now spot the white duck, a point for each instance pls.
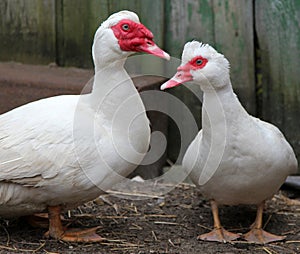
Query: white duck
x: 62, y: 151
x: 235, y: 158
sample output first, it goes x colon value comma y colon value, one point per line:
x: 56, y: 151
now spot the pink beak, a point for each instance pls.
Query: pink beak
x: 183, y: 75
x: 151, y: 48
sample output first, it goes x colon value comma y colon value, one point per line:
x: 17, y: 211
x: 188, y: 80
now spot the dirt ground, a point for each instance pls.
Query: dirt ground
x: 166, y: 224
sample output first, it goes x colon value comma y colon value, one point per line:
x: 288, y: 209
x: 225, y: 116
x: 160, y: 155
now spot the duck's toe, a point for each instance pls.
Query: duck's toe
x: 219, y: 235
x: 77, y: 235
x: 88, y: 235
x: 259, y: 236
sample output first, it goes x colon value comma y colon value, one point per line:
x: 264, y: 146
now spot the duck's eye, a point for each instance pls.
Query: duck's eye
x: 199, y: 61
x: 125, y: 27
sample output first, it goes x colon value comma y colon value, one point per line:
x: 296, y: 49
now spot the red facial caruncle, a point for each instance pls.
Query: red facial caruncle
x: 136, y: 37
x: 184, y: 72
x: 197, y: 62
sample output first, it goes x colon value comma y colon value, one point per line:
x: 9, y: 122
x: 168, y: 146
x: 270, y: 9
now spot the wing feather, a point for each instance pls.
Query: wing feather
x: 35, y: 143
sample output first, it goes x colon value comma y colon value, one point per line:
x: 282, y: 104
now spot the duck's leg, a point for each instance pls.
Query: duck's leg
x: 41, y: 220
x: 57, y: 231
x: 257, y: 234
x: 38, y: 220
x: 218, y: 234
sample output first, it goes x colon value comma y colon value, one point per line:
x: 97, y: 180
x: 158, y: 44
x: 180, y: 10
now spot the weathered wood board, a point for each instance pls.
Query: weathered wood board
x: 234, y: 33
x: 76, y: 23
x: 27, y: 31
x: 278, y: 34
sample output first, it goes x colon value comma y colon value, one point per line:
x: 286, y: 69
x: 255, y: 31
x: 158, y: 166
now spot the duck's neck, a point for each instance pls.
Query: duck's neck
x: 118, y: 109
x: 220, y: 109
x: 112, y: 86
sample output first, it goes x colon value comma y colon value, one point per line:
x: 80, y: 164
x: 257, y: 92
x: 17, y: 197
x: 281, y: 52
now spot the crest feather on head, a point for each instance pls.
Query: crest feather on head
x: 118, y: 16
x: 195, y: 48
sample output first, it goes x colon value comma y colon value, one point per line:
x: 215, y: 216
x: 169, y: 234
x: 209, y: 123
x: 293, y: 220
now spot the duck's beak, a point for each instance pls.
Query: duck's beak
x: 151, y: 48
x: 180, y: 77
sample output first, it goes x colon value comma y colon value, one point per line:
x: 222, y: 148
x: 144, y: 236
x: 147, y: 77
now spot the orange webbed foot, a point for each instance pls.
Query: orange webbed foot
x: 219, y: 235
x: 88, y: 235
x: 259, y: 236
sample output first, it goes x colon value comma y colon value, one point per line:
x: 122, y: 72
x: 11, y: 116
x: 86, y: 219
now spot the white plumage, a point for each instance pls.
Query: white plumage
x: 66, y: 150
x: 235, y: 158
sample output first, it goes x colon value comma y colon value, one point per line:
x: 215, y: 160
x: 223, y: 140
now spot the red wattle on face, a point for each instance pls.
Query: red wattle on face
x: 136, y: 37
x: 184, y: 72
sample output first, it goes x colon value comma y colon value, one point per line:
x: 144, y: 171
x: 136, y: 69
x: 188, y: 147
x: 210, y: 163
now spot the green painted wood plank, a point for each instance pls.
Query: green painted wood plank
x: 77, y: 23
x: 130, y: 5
x: 186, y: 21
x: 234, y: 37
x: 278, y: 33
x: 27, y: 31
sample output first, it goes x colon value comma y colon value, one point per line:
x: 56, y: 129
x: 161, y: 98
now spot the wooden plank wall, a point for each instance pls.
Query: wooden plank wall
x: 278, y: 44
x: 62, y: 31
x: 261, y: 39
x: 27, y: 31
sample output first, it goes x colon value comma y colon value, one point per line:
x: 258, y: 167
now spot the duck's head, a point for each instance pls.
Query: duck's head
x: 122, y: 34
x: 203, y: 64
